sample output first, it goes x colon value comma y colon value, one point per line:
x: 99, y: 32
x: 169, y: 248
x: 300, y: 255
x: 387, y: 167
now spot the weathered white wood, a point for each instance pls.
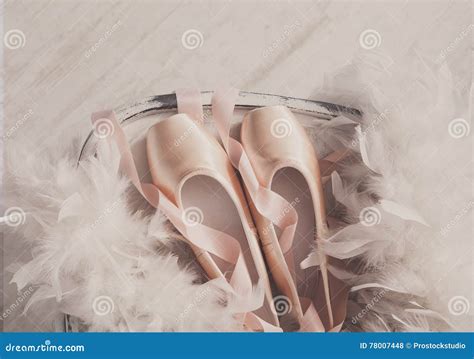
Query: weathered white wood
x: 278, y: 47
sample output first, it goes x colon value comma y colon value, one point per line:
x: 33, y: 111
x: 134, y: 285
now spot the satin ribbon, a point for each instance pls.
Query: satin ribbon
x: 205, y: 238
x: 269, y: 204
x: 189, y: 102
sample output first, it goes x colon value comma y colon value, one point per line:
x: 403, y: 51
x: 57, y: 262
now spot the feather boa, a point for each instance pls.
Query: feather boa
x: 108, y: 267
x: 403, y: 201
x: 408, y: 201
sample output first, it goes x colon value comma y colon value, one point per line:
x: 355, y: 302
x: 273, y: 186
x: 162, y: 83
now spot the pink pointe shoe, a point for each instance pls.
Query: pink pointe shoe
x: 190, y: 167
x: 285, y: 161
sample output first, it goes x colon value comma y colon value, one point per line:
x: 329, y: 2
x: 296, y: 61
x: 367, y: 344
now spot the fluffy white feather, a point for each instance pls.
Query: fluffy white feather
x: 99, y: 262
x: 411, y: 268
x: 417, y: 181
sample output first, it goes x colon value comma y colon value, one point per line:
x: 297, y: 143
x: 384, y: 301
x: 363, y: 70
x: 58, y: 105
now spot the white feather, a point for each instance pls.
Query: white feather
x: 86, y: 243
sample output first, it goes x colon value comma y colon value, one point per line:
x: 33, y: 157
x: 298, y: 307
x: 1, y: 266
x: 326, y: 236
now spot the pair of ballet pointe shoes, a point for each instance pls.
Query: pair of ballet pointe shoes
x: 193, y: 170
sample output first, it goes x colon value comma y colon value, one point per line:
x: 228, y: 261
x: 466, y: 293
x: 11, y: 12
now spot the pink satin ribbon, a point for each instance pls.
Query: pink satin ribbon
x: 269, y: 204
x: 189, y: 102
x: 208, y: 239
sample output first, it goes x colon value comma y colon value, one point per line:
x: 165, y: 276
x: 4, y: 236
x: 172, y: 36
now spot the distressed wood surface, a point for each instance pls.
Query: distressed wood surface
x: 81, y: 56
